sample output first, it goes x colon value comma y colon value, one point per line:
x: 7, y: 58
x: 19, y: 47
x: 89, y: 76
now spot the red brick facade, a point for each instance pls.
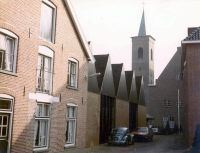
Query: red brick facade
x: 23, y: 19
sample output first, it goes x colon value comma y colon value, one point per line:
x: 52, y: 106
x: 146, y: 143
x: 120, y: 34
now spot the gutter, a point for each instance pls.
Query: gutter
x: 79, y: 30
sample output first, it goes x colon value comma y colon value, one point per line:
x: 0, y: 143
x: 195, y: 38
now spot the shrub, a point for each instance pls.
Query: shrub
x: 175, y: 130
x: 168, y: 130
x: 196, y: 143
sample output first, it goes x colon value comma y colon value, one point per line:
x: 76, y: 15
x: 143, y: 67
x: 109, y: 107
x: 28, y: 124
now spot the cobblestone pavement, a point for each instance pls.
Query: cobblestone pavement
x: 160, y: 144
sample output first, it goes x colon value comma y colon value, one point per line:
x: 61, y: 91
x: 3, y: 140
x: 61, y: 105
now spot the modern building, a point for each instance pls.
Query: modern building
x: 44, y: 59
x: 190, y: 74
x: 113, y: 100
x: 143, y: 58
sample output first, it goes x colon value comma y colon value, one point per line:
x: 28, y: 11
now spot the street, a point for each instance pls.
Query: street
x: 161, y: 143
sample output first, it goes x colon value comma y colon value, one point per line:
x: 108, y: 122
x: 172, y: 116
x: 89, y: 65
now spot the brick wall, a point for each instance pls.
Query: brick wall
x: 19, y: 17
x: 93, y: 119
x: 141, y: 116
x: 122, y: 113
x: 191, y: 87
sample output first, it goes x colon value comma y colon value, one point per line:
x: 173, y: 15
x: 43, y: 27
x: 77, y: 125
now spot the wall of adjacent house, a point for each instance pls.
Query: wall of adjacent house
x: 166, y: 89
x: 191, y: 86
x: 141, y: 116
x: 93, y: 119
x: 19, y: 18
x: 122, y: 113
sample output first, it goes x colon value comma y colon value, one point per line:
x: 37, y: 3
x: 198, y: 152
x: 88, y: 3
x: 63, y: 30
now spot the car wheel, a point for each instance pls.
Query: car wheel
x: 132, y: 142
x: 126, y: 144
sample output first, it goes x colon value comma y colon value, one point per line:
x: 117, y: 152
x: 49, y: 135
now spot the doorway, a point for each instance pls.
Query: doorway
x: 107, y: 117
x: 6, y: 114
x: 132, y: 116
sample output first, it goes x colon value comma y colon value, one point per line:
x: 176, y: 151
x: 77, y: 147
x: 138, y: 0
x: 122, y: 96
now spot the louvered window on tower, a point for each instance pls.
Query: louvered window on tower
x: 140, y: 53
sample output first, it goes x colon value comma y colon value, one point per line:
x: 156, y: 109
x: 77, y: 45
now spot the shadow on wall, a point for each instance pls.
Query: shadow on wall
x: 23, y: 135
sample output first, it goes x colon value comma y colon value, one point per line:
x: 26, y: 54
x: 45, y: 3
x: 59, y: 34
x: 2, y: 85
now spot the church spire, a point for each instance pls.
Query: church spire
x: 142, y: 30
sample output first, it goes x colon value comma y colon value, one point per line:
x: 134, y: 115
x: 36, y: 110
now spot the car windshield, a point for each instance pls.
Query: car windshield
x: 117, y: 131
x: 141, y: 129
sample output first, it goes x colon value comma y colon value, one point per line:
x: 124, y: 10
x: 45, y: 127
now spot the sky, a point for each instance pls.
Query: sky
x: 110, y: 24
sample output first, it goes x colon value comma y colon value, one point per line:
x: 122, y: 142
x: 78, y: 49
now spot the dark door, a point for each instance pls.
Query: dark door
x: 132, y: 116
x: 107, y: 117
x: 4, y: 127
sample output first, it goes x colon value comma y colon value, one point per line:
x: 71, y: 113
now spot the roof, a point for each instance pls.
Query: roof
x: 195, y: 35
x: 129, y: 77
x: 116, y: 70
x: 100, y: 64
x: 142, y: 30
x: 79, y: 30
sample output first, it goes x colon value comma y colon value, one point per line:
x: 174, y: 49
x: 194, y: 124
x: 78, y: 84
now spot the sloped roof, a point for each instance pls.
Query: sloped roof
x: 142, y: 30
x: 195, y: 35
x: 80, y: 33
x: 129, y: 77
x: 92, y: 81
x: 140, y: 90
x: 100, y: 64
x: 116, y: 70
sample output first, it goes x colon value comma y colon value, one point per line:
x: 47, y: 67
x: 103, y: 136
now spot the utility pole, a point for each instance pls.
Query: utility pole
x: 178, y: 114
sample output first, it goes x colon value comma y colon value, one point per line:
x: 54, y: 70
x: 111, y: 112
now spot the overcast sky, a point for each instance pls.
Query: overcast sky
x: 109, y: 24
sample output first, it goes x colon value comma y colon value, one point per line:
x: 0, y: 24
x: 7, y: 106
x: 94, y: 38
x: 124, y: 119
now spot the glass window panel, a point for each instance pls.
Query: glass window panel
x: 39, y: 110
x: 0, y: 120
x: 73, y: 78
x: 71, y: 111
x: 46, y: 22
x: 2, y: 42
x: 1, y: 59
x: 67, y: 130
x: 4, y: 131
x: 46, y: 110
x: 5, y: 104
x: 37, y: 131
x: 5, y: 120
x: 43, y: 133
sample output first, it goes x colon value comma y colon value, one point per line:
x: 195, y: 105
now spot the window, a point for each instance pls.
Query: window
x: 70, y: 133
x: 140, y: 53
x: 3, y: 125
x: 171, y: 122
x: 47, y: 24
x: 180, y: 103
x: 8, y: 50
x: 44, y: 70
x: 72, y: 73
x: 42, y: 120
x: 166, y: 103
x: 151, y: 55
x: 165, y: 119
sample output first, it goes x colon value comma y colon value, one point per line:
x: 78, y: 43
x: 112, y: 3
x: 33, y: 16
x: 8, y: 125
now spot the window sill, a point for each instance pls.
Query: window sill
x: 9, y: 73
x: 74, y: 88
x: 40, y: 149
x: 70, y: 146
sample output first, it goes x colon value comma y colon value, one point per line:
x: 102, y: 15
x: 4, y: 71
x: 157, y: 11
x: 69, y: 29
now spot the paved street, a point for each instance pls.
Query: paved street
x: 164, y: 144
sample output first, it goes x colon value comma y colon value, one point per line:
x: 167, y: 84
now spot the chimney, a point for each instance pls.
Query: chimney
x: 191, y: 29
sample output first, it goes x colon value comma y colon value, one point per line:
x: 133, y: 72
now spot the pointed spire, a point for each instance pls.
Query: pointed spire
x: 142, y: 31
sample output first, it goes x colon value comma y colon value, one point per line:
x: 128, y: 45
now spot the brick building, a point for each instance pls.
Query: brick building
x: 43, y: 63
x: 190, y: 61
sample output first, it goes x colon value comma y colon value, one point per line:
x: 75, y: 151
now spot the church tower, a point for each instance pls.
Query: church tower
x: 143, y: 57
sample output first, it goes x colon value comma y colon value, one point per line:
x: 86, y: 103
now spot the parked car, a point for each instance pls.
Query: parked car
x: 143, y: 133
x: 156, y: 130
x: 120, y: 135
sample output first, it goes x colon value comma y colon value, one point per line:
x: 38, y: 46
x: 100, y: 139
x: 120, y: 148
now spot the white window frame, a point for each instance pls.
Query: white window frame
x: 11, y: 35
x: 42, y: 118
x: 45, y: 51
x: 74, y: 119
x: 165, y: 119
x: 171, y: 122
x: 72, y: 60
x: 48, y: 3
